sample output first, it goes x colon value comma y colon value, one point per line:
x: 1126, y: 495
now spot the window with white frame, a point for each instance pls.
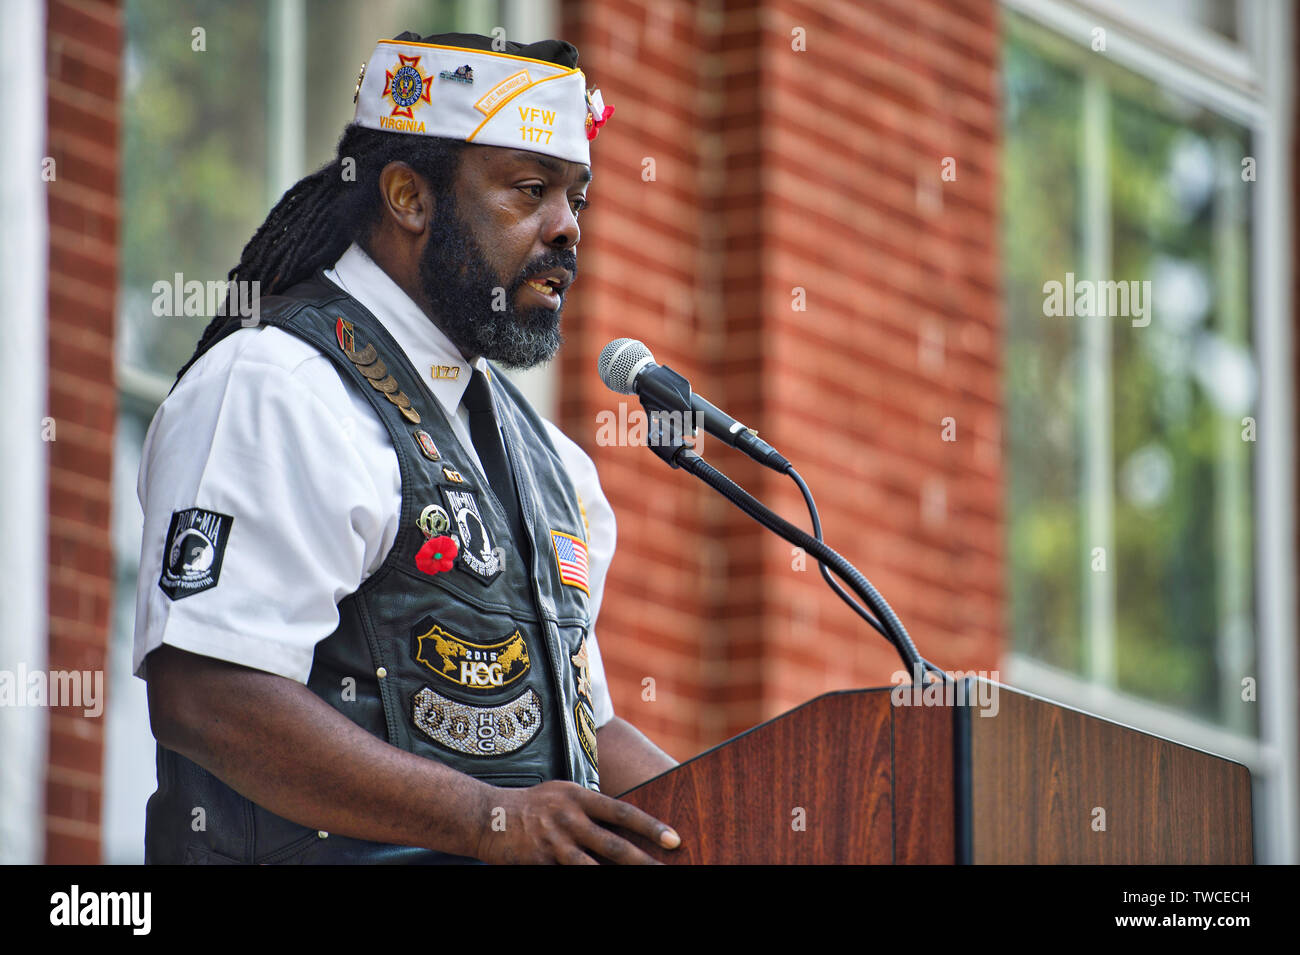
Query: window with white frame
x: 1140, y: 390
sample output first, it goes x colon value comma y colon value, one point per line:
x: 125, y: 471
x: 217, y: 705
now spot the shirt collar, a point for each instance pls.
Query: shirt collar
x: 431, y: 352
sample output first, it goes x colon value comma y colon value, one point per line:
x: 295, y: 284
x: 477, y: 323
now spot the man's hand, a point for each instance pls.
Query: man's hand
x: 555, y: 821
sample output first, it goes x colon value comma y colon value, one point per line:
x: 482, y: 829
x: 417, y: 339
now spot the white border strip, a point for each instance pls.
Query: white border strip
x: 1278, y: 801
x: 24, y: 251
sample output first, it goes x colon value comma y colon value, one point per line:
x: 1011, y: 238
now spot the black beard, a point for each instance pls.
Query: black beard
x: 462, y: 288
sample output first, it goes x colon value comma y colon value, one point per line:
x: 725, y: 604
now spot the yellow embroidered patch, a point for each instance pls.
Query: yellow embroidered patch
x: 475, y: 666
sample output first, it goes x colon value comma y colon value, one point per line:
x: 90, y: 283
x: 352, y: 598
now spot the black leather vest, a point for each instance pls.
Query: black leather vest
x: 482, y: 666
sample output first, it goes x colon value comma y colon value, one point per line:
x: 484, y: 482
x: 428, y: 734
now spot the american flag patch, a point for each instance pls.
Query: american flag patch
x: 571, y: 557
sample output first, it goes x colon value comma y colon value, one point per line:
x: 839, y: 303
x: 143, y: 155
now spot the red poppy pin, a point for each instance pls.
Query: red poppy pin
x: 437, y: 554
x: 597, y: 113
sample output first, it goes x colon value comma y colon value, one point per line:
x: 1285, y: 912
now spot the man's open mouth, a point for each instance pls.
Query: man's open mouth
x: 545, y: 286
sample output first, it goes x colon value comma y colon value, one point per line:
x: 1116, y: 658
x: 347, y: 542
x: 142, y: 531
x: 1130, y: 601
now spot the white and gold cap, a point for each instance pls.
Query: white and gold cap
x: 480, y: 96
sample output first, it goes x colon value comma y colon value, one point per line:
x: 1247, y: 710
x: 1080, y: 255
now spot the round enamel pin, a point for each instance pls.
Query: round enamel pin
x: 433, y: 520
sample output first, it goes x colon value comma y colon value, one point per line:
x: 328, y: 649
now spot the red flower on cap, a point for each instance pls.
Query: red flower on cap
x: 437, y: 554
x: 597, y: 113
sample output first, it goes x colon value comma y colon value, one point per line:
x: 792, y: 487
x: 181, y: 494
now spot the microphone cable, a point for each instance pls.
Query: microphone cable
x: 894, y: 630
x: 843, y: 594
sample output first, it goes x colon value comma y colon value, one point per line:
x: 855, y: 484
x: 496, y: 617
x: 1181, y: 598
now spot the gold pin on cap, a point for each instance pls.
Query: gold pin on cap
x: 357, y: 92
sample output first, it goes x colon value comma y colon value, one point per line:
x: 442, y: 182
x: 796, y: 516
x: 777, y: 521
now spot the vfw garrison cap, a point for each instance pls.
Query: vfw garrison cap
x: 457, y: 86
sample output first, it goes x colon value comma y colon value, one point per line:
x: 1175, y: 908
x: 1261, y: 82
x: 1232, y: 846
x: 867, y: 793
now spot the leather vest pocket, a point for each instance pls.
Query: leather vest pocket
x: 286, y: 854
x: 202, y: 855
x: 508, y: 780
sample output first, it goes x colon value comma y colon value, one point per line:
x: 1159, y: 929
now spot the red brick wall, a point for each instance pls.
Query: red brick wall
x: 82, y: 70
x: 777, y: 169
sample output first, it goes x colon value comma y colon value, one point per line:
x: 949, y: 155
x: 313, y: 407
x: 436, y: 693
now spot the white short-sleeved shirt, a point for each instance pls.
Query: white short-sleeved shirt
x: 262, y: 428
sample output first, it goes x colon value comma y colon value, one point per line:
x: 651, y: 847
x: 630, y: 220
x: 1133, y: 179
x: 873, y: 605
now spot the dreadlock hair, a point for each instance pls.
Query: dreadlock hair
x: 320, y: 215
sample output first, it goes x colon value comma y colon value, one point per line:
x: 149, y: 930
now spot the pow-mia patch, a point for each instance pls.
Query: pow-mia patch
x: 586, y: 730
x: 195, y: 544
x: 475, y: 666
x: 478, y: 554
x: 478, y: 730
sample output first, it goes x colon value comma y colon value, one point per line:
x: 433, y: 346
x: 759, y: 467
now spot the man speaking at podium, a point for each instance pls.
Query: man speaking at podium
x: 370, y: 570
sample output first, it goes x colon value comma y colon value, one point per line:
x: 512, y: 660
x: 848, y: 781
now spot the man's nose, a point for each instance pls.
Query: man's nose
x: 561, y: 229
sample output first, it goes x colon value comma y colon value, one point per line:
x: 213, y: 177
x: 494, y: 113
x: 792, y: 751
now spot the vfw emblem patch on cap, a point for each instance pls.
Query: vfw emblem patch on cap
x: 406, y: 87
x: 195, y: 544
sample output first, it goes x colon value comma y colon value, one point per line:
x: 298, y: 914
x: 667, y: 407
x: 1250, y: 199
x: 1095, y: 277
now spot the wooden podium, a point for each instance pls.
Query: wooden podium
x: 850, y: 777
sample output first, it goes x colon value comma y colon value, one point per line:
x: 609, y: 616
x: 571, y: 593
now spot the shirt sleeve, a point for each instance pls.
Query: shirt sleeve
x: 602, y: 535
x: 249, y: 441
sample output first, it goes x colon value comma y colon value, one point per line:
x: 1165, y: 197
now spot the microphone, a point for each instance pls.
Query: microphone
x: 628, y: 367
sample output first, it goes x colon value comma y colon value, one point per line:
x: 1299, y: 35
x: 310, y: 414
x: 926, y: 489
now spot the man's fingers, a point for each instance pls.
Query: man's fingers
x: 611, y: 846
x: 572, y: 855
x: 630, y: 817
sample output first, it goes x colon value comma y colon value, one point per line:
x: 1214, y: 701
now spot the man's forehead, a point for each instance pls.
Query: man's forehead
x: 516, y: 157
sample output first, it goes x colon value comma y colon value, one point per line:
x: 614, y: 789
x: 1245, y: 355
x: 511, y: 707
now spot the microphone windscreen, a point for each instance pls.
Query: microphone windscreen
x: 620, y: 362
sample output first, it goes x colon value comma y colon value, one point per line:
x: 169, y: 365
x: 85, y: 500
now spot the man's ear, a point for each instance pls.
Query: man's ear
x: 408, y: 201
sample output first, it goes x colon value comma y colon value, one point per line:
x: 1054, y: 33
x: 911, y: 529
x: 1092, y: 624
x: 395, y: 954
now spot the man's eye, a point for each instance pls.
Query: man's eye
x: 530, y: 190
x: 578, y: 204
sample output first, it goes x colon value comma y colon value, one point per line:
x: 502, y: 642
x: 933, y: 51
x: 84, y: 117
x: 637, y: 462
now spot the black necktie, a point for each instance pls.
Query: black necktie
x: 486, y: 435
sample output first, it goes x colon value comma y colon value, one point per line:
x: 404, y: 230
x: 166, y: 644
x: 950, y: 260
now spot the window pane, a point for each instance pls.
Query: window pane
x: 1041, y: 209
x: 1182, y: 385
x: 1171, y: 220
x: 193, y: 161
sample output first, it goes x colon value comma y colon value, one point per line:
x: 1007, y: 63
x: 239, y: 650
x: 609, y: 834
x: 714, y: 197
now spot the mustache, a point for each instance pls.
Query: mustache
x: 556, y: 259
